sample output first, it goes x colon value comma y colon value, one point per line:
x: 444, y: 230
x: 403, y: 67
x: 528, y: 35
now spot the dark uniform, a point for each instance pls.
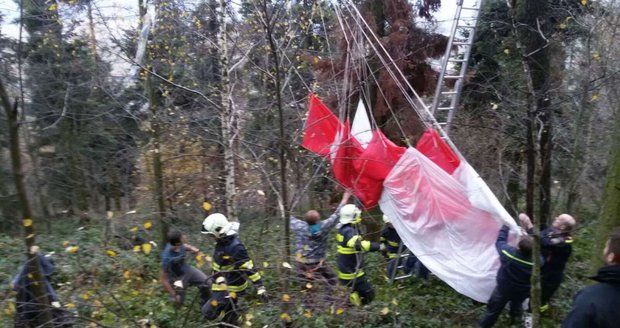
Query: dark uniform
x: 513, y: 281
x: 27, y: 310
x: 232, y: 269
x: 556, y: 249
x: 351, y: 246
x: 597, y: 306
x: 392, y: 241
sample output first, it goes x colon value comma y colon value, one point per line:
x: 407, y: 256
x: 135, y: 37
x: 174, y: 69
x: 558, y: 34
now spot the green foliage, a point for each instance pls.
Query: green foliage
x: 121, y: 290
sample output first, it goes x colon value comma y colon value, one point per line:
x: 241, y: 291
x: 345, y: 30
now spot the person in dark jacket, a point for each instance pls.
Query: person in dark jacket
x: 232, y: 270
x: 176, y: 274
x: 27, y: 310
x: 351, y: 246
x: 598, y: 306
x: 392, y: 242
x: 311, y: 243
x: 556, y: 248
x: 513, y: 278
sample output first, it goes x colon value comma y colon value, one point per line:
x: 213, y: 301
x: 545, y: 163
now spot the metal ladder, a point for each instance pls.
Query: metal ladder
x: 449, y: 85
x: 402, y: 256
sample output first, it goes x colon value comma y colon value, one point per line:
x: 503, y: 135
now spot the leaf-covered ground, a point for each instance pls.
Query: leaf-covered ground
x: 117, y: 287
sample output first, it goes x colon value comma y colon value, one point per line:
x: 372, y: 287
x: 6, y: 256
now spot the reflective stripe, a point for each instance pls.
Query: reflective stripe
x: 339, y: 238
x: 255, y: 277
x: 350, y: 276
x: 392, y: 255
x: 568, y: 240
x: 219, y: 287
x: 346, y: 250
x: 240, y: 288
x: 249, y: 265
x: 393, y: 243
x: 505, y: 252
x: 351, y: 242
x: 217, y: 267
x: 544, y: 308
x: 365, y: 245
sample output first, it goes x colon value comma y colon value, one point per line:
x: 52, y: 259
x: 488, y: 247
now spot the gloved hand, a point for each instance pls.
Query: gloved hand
x: 382, y: 248
x: 261, y: 292
x: 176, y: 299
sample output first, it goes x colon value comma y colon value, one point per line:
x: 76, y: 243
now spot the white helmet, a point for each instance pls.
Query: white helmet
x: 386, y: 219
x: 350, y: 214
x: 215, y: 224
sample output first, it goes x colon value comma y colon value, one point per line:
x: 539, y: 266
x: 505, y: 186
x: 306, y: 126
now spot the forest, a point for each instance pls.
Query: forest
x: 125, y: 122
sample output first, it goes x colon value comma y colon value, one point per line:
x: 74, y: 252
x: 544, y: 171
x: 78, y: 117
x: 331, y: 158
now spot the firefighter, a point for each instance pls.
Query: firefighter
x: 351, y: 246
x: 392, y: 242
x: 556, y: 247
x: 232, y: 268
x: 513, y: 278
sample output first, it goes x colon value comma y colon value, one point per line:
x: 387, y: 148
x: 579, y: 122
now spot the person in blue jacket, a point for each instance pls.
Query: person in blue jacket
x: 513, y: 278
x: 598, y: 306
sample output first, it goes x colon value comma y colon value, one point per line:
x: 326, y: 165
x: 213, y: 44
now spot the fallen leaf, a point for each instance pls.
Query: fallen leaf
x: 286, y: 317
x: 385, y: 311
x: 146, y: 248
x: 110, y: 253
x: 339, y: 311
x: 72, y: 249
x: 286, y: 265
x: 148, y: 225
x: 207, y: 206
x: 286, y: 298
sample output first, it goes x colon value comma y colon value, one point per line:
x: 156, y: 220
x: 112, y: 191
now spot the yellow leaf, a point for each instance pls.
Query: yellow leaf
x: 562, y: 26
x: 507, y: 51
x: 136, y: 248
x: 286, y: 317
x: 126, y: 274
x: 148, y: 225
x: 249, y: 316
x: 308, y: 314
x: 286, y: 265
x: 265, y: 264
x: 146, y: 248
x: 85, y: 296
x: 52, y: 7
x: 214, y: 303
x: 72, y: 249
x: 385, y: 311
x: 27, y: 222
x: 594, y: 97
x: 65, y: 244
x: 286, y: 298
x: 134, y: 229
x: 70, y: 305
x: 206, y: 206
x: 584, y: 2
x: 110, y: 253
x: 394, y: 301
x: 339, y: 311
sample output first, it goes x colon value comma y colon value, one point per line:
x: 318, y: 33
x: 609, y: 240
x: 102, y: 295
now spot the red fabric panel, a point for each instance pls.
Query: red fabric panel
x: 321, y: 127
x: 379, y: 157
x: 348, y: 150
x: 438, y: 151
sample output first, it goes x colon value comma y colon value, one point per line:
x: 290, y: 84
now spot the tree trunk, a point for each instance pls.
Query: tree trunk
x: 227, y: 121
x: 44, y: 315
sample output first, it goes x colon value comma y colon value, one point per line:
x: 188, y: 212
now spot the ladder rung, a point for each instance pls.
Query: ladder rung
x: 445, y: 108
x: 470, y: 8
x: 457, y: 60
x: 460, y: 43
x: 403, y: 277
x: 448, y: 92
x: 453, y: 77
x: 473, y: 27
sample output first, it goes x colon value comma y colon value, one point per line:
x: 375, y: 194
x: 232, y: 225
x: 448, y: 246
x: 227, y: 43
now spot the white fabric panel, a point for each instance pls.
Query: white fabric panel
x: 481, y: 196
x: 432, y: 214
x: 361, y: 129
